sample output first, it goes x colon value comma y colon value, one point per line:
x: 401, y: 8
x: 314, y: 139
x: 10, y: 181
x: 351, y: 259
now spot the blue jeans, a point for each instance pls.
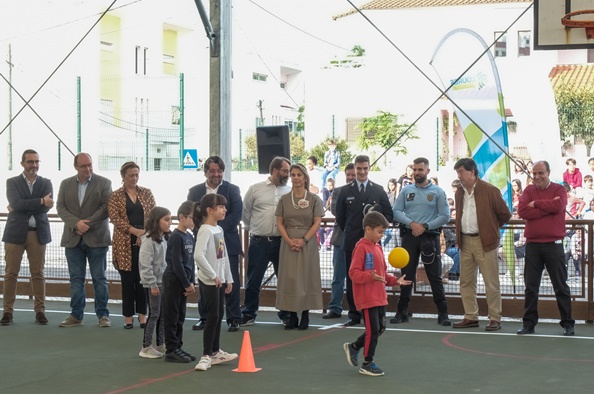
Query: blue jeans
x: 262, y: 250
x: 333, y: 174
x: 454, y: 253
x: 77, y: 268
x: 338, y: 277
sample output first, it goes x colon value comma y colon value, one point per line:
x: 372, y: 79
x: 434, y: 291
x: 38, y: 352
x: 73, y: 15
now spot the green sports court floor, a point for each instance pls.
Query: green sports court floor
x: 418, y: 357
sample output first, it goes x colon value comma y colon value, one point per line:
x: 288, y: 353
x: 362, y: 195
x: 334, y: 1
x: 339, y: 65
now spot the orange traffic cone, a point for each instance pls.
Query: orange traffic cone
x: 246, y: 357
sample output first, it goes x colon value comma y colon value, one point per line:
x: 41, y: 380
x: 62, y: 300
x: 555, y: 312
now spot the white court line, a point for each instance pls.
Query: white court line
x: 341, y: 325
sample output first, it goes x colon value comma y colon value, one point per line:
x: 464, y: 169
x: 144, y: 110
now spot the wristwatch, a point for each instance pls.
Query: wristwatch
x: 426, y: 226
x: 306, y: 240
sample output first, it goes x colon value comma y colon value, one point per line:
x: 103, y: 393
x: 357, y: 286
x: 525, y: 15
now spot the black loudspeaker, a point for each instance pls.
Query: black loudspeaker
x: 272, y: 141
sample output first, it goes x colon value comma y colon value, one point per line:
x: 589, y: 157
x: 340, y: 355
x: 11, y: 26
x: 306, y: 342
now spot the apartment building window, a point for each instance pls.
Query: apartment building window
x: 500, y: 44
x: 524, y: 43
x: 283, y: 85
x: 140, y: 57
x: 259, y: 77
x: 170, y: 59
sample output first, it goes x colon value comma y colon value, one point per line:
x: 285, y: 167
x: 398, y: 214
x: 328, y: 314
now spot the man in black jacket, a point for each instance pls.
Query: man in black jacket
x: 27, y: 229
x: 354, y: 201
x: 214, y: 168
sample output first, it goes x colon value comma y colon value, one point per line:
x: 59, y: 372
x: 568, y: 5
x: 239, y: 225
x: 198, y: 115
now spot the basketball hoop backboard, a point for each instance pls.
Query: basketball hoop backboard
x: 550, y: 32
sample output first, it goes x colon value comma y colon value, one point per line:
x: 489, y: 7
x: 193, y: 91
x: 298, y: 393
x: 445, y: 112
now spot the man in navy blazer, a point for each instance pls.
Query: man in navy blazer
x: 82, y: 206
x: 354, y: 201
x: 214, y: 168
x: 27, y: 229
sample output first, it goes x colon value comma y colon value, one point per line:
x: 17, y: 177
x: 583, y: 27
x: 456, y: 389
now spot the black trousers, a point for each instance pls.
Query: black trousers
x: 232, y: 300
x: 214, y: 300
x: 552, y: 257
x: 354, y: 314
x: 375, y: 325
x: 173, y: 312
x: 133, y: 296
x: 412, y: 245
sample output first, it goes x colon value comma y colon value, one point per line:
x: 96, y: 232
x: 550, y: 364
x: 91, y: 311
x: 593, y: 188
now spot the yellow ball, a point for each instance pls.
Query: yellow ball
x: 398, y: 257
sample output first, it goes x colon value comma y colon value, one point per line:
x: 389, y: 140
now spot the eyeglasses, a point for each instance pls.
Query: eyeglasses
x: 31, y: 162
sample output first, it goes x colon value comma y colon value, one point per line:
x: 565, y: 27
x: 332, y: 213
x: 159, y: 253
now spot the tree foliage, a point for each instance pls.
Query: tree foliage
x: 575, y: 109
x: 383, y: 130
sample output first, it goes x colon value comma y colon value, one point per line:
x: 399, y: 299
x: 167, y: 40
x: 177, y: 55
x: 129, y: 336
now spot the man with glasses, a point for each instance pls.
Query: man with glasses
x: 82, y: 206
x: 27, y: 229
x: 259, y: 206
x: 214, y: 168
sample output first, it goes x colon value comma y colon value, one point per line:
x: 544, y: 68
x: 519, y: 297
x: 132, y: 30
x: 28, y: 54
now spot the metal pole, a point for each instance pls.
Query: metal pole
x: 10, y: 107
x: 333, y: 126
x: 59, y: 156
x: 146, y: 150
x: 240, y: 151
x: 181, y: 121
x: 78, y: 117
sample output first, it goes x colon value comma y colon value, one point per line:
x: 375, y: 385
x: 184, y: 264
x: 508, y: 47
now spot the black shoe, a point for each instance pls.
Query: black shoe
x: 247, y: 320
x: 176, y: 356
x: 304, y: 323
x: 525, y: 330
x: 192, y: 358
x: 142, y: 325
x: 6, y: 319
x: 233, y: 327
x: 443, y: 319
x: 568, y: 331
x: 399, y: 318
x: 332, y: 315
x: 292, y: 322
x: 40, y: 318
x: 352, y: 322
x: 199, y: 326
x: 128, y: 326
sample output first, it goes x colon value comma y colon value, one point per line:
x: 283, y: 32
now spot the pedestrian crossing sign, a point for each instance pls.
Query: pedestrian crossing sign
x: 190, y: 158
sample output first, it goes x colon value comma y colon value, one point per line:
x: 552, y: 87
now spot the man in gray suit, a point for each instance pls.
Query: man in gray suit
x: 82, y: 206
x: 27, y: 229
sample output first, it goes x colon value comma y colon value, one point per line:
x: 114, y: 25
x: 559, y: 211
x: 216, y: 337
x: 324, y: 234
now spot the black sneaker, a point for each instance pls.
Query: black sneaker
x: 370, y: 369
x: 247, y: 320
x: 399, y: 318
x: 233, y: 327
x: 351, y: 354
x: 176, y: 356
x: 443, y: 319
x: 199, y: 326
x: 192, y: 358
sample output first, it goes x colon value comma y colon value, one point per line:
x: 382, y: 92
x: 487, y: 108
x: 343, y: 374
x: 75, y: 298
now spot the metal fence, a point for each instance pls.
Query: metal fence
x: 577, y: 245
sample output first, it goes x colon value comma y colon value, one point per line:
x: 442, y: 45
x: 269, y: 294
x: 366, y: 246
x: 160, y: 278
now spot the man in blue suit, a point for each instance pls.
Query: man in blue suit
x: 214, y: 168
x: 27, y: 229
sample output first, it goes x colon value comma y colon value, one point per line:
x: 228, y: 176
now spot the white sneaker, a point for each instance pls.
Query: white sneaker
x: 161, y: 348
x: 222, y: 357
x: 203, y: 364
x: 150, y: 352
x: 104, y: 322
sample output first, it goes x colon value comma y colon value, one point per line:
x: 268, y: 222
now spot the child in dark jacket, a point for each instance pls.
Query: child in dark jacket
x: 369, y: 276
x: 178, y: 283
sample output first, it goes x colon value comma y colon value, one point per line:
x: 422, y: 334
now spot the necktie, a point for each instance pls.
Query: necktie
x: 362, y: 190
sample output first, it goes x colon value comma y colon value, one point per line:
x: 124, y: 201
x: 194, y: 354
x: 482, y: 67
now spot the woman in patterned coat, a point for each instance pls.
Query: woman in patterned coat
x: 128, y: 207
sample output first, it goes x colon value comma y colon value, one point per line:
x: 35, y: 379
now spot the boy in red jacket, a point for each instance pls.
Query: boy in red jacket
x: 369, y: 276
